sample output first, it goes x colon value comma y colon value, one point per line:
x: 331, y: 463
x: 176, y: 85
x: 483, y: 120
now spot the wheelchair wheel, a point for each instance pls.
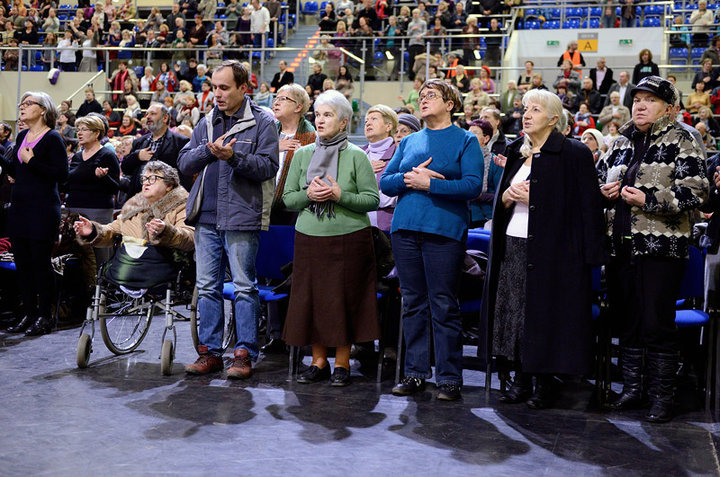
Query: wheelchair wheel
x: 166, y: 358
x: 124, y: 321
x: 84, y: 348
x: 228, y: 327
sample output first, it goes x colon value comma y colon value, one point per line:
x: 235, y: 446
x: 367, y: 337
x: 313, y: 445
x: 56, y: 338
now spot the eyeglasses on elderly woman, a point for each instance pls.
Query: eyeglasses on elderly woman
x: 151, y: 179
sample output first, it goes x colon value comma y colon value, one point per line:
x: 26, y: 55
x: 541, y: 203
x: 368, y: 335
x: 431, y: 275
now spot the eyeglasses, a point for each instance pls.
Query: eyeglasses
x: 151, y: 179
x: 27, y: 103
x: 84, y: 130
x: 429, y: 96
x: 283, y: 99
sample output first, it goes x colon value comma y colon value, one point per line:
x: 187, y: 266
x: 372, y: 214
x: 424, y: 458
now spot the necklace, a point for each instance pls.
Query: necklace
x: 36, y: 135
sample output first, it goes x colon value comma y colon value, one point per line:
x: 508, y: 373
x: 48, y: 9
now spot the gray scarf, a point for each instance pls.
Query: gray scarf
x: 324, y: 162
x: 487, y: 156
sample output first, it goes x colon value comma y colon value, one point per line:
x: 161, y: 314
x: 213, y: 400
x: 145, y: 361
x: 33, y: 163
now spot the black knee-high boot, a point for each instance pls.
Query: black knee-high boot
x: 631, y: 396
x: 662, y: 375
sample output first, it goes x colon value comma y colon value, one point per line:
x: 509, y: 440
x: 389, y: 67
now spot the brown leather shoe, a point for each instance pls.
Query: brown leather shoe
x: 206, y: 363
x: 242, y: 365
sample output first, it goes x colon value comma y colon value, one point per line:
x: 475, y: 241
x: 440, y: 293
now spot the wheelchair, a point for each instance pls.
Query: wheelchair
x: 135, y: 283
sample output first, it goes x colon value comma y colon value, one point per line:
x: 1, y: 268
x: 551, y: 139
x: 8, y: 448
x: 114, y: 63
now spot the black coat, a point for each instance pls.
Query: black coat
x: 35, y: 203
x: 712, y: 205
x: 565, y: 240
x: 607, y: 81
x: 167, y: 153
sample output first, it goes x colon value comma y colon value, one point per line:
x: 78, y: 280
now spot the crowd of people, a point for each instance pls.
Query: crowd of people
x: 206, y: 167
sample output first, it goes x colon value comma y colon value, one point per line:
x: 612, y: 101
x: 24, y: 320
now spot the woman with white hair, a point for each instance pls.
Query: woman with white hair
x: 381, y: 124
x: 38, y: 163
x: 547, y: 234
x: 333, y: 299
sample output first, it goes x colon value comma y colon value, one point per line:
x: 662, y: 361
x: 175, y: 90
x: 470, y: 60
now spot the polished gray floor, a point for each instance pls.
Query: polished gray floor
x: 120, y: 417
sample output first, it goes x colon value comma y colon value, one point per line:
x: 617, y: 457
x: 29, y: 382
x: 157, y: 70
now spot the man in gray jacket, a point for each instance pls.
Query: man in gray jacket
x: 234, y: 149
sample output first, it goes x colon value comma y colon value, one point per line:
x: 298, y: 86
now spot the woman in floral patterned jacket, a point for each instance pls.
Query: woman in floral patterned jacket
x: 654, y: 178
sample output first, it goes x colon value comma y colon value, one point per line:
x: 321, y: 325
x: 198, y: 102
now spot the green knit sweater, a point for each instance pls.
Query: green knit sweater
x: 359, y: 193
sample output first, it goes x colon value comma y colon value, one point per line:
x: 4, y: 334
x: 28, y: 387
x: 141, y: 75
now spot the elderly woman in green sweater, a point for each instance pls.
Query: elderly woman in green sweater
x: 333, y: 298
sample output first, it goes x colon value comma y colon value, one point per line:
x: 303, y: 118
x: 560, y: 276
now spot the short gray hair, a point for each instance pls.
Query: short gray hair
x: 44, y: 100
x: 169, y: 173
x: 337, y: 102
x: 298, y: 93
x: 553, y: 106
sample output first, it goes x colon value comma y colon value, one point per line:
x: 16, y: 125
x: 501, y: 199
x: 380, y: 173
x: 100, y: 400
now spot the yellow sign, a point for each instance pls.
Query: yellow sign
x: 588, y: 45
x: 588, y: 42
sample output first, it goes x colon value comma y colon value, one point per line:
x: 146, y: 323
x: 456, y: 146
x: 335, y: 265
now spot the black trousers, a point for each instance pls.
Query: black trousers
x: 642, y: 292
x: 35, y: 275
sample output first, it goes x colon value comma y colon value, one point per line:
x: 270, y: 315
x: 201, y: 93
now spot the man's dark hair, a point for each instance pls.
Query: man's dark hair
x: 5, y: 130
x: 240, y: 74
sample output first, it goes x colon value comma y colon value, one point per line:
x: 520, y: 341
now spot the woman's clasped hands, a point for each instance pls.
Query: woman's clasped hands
x: 319, y: 191
x: 419, y: 177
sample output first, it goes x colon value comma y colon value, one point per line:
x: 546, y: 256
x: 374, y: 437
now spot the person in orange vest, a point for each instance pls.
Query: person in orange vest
x: 452, y: 62
x: 574, y: 56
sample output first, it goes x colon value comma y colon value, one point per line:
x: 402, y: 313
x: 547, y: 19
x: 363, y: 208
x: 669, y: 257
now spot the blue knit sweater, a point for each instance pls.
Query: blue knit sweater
x: 442, y: 210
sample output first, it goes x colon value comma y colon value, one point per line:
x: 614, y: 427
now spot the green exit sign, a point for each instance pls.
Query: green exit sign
x: 627, y: 42
x: 553, y: 43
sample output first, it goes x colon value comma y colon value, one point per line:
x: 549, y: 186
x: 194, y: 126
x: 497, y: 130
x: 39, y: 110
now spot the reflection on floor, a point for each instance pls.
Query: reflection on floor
x: 121, y: 417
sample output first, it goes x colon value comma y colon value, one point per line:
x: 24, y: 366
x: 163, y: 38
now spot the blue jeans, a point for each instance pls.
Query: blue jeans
x: 214, y: 250
x: 429, y: 268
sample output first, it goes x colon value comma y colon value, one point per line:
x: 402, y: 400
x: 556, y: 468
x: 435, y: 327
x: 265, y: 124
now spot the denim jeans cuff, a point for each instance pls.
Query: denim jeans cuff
x: 416, y: 375
x: 450, y: 383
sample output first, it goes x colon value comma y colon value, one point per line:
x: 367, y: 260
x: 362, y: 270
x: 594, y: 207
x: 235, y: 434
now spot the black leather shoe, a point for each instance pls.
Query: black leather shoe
x: 544, y: 395
x: 449, y: 392
x: 42, y: 326
x: 274, y: 346
x: 340, y: 377
x: 314, y: 375
x: 408, y: 386
x: 21, y: 326
x: 520, y: 390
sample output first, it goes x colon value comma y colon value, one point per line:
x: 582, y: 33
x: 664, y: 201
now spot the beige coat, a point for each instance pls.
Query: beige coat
x: 137, y: 212
x: 606, y: 117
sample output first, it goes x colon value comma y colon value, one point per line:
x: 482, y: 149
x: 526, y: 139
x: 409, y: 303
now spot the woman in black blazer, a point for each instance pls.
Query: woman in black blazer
x: 548, y: 231
x: 38, y: 164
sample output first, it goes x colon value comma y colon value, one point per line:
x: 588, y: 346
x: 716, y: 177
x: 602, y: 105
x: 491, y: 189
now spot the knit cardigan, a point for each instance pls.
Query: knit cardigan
x: 671, y: 175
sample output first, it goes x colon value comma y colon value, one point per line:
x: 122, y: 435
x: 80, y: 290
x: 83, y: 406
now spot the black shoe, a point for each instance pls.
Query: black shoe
x: 544, y: 395
x: 520, y: 390
x: 21, y: 326
x: 340, y: 377
x: 408, y: 386
x: 314, y: 375
x: 274, y: 346
x: 42, y: 326
x: 449, y: 392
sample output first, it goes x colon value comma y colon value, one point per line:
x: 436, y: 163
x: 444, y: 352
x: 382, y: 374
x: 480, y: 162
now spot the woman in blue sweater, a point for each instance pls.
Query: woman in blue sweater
x: 434, y: 173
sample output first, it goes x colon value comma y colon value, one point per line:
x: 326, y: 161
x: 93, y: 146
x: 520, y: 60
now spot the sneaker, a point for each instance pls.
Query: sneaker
x: 409, y: 385
x: 449, y: 392
x: 314, y: 374
x: 241, y: 367
x: 206, y: 363
x: 340, y: 377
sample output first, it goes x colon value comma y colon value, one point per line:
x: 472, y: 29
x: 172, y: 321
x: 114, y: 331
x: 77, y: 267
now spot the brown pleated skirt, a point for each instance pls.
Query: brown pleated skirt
x: 333, y: 298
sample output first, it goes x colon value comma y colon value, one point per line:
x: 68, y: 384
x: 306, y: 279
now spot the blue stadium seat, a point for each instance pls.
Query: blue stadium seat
x: 221, y: 5
x: 532, y: 25
x: 555, y: 14
x: 651, y: 22
x: 678, y: 54
x: 696, y: 54
x: 37, y: 68
x: 531, y: 12
x: 310, y: 7
x: 594, y: 23
x: 595, y: 12
x: 139, y: 71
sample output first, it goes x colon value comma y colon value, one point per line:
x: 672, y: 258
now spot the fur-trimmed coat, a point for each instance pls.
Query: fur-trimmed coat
x: 137, y: 212
x: 673, y: 178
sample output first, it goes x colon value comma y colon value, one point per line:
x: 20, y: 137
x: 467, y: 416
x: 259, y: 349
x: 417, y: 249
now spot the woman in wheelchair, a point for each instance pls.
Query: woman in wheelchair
x: 153, y: 219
